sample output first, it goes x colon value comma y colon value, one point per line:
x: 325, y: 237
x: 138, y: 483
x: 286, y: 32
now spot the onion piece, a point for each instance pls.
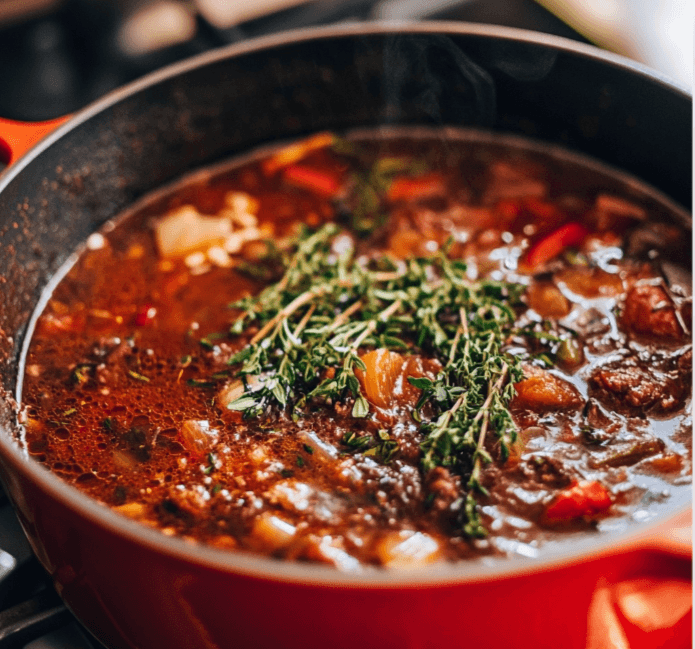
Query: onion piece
x: 407, y: 549
x: 185, y: 230
x: 271, y: 532
x: 198, y: 436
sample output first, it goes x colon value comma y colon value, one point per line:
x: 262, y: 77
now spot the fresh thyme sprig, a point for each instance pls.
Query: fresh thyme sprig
x: 306, y: 331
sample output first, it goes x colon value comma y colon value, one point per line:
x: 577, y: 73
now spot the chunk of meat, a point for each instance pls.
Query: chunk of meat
x: 542, y: 391
x: 631, y: 387
x: 650, y: 311
x: 547, y: 471
x: 585, y: 499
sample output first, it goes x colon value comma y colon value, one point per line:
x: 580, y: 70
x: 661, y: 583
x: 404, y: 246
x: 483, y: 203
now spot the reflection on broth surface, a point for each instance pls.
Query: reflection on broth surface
x: 388, y: 350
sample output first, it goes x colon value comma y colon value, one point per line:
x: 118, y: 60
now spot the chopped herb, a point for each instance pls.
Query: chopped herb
x: 186, y: 360
x: 212, y: 459
x: 138, y: 377
x: 326, y: 308
x: 108, y: 423
x: 287, y: 473
x: 309, y: 449
x: 356, y: 442
x: 216, y: 489
x: 82, y: 373
x: 300, y: 461
x: 69, y: 411
x: 195, y: 383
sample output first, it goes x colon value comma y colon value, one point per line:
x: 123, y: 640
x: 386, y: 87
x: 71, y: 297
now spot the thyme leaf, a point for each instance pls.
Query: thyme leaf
x: 309, y: 329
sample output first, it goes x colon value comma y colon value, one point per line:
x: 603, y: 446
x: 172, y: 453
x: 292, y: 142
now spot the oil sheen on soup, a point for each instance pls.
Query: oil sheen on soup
x: 383, y: 349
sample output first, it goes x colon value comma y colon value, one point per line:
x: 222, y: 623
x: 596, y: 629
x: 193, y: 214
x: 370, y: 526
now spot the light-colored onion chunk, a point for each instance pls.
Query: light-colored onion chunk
x: 407, y: 549
x: 198, y: 436
x: 185, y: 230
x: 271, y: 532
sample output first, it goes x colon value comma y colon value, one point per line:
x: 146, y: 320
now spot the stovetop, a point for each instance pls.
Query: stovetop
x: 65, y: 58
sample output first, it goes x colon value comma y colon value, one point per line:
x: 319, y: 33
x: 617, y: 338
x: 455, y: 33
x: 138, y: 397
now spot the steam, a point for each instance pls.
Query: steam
x: 427, y: 75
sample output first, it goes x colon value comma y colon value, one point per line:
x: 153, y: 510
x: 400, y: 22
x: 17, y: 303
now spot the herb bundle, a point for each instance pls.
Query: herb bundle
x: 306, y: 333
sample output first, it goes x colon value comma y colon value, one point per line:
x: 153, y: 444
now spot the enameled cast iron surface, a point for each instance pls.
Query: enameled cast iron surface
x: 132, y: 586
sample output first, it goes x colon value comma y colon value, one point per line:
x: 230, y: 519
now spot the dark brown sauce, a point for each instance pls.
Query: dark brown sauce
x: 107, y: 390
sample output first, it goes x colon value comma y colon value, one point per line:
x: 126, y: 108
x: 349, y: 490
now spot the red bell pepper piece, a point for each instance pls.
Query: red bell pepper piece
x: 583, y: 499
x: 315, y: 180
x: 144, y: 315
x: 413, y: 188
x: 550, y: 246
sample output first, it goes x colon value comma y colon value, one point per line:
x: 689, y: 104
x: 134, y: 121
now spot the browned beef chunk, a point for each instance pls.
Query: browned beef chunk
x: 632, y: 387
x: 546, y: 471
x: 650, y: 311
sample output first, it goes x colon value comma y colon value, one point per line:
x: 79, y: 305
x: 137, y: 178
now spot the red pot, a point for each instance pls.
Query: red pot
x: 132, y: 586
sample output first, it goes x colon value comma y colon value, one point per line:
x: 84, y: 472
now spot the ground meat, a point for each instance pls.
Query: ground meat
x: 547, y: 471
x: 443, y: 487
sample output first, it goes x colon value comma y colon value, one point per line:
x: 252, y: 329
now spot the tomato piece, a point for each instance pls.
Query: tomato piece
x: 318, y: 181
x: 550, y: 246
x: 408, y: 188
x: 585, y: 499
x: 144, y: 315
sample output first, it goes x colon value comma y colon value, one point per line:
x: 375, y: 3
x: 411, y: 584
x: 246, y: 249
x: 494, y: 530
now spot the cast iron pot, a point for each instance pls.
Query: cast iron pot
x: 133, y: 587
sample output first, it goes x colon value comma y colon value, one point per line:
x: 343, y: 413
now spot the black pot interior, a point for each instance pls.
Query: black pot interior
x: 141, y: 138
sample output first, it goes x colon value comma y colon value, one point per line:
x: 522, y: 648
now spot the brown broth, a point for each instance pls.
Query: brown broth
x: 106, y: 390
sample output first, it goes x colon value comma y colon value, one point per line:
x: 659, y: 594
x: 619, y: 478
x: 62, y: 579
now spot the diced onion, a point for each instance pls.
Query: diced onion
x: 271, y: 532
x: 185, y: 230
x: 198, y: 436
x: 406, y: 549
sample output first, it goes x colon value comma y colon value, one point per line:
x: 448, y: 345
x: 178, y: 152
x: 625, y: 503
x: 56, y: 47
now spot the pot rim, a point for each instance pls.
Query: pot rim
x: 449, y: 574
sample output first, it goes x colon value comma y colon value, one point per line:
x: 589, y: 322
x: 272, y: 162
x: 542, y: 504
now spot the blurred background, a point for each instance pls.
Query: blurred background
x: 59, y: 55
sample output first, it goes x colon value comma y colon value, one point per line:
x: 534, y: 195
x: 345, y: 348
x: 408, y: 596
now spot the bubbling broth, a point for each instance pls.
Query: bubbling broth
x: 382, y: 349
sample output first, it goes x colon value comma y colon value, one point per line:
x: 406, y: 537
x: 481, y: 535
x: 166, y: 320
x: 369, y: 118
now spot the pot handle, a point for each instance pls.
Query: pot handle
x: 650, y: 605
x: 16, y: 138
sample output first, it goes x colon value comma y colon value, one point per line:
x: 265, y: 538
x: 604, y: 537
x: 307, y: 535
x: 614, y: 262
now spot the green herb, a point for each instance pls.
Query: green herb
x: 209, y: 341
x: 196, y: 383
x: 311, y: 326
x: 81, y: 374
x: 309, y: 449
x: 356, y: 442
x: 385, y: 448
x: 69, y: 411
x: 108, y: 423
x: 212, y: 459
x: 300, y: 461
x: 138, y: 377
x: 369, y: 189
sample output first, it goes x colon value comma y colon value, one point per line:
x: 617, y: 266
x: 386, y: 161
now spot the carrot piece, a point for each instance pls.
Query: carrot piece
x: 585, y: 499
x: 296, y: 151
x: 566, y: 236
x: 407, y: 188
x: 318, y: 181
